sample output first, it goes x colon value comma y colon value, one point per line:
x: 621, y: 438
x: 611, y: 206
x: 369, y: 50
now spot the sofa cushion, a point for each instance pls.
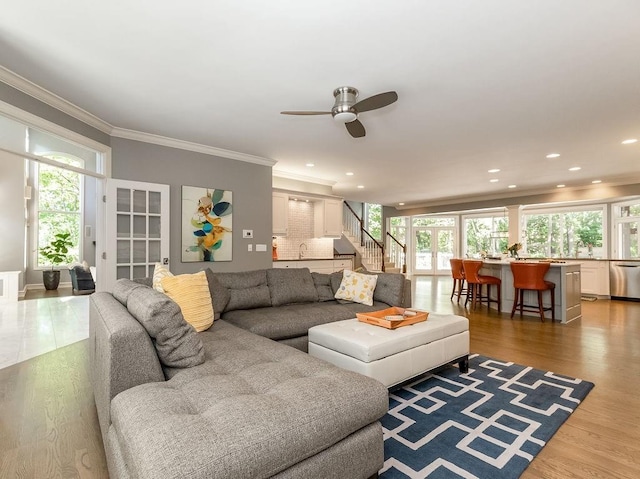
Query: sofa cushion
x: 191, y: 292
x: 357, y: 287
x: 220, y: 295
x: 253, y: 409
x: 294, y: 320
x: 291, y: 285
x: 247, y: 289
x: 322, y: 283
x: 389, y: 288
x: 176, y: 342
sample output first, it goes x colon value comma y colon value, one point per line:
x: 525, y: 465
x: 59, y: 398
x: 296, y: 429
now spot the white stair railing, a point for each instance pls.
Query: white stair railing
x: 371, y: 250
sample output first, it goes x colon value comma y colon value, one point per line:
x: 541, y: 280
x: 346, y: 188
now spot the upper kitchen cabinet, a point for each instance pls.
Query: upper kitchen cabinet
x: 280, y: 205
x: 328, y: 218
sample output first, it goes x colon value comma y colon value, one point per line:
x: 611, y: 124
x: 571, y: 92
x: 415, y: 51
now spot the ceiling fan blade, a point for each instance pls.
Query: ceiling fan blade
x: 376, y: 101
x: 355, y: 128
x: 305, y: 113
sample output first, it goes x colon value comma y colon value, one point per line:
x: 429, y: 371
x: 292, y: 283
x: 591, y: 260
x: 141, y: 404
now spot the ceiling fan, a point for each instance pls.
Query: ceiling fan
x: 346, y: 109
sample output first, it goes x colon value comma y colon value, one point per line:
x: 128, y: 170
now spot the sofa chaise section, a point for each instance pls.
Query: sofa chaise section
x: 255, y: 407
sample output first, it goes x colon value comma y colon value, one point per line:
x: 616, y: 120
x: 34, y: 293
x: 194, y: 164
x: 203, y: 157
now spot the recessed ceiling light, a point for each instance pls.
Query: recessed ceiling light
x: 595, y: 182
x: 349, y: 173
x: 553, y: 155
x: 494, y: 180
x: 400, y: 204
x: 310, y: 164
x: 511, y: 186
x: 493, y: 170
x: 630, y: 141
x: 360, y: 186
x: 575, y: 168
x: 560, y: 186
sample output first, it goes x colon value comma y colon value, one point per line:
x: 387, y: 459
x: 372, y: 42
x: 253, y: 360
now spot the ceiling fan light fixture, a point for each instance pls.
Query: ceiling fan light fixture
x: 345, y: 116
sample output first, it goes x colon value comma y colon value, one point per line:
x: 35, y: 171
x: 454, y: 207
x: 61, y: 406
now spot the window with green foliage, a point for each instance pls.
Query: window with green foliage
x: 486, y: 234
x: 59, y: 205
x: 434, y: 221
x: 564, y: 233
x: 374, y: 220
x: 627, y: 230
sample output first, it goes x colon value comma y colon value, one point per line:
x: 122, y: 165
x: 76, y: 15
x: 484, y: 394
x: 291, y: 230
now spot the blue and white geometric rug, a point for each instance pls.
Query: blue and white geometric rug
x: 487, y: 424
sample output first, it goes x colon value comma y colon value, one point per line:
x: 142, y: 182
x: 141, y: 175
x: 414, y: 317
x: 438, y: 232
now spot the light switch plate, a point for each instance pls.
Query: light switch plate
x: 247, y: 234
x: 249, y: 247
x: 261, y: 247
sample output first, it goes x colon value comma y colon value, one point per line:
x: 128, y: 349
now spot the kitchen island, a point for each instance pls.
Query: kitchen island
x: 565, y: 275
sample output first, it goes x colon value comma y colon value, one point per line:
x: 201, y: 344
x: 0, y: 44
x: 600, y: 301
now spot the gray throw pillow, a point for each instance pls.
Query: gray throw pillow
x: 322, y: 282
x: 123, y: 288
x: 336, y: 279
x: 247, y: 289
x: 177, y: 343
x: 291, y: 285
x: 389, y: 288
x: 220, y: 295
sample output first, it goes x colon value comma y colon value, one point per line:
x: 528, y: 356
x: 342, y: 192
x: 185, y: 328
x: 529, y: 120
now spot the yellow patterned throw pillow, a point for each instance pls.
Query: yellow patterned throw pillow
x: 191, y: 292
x: 357, y: 287
x: 160, y: 271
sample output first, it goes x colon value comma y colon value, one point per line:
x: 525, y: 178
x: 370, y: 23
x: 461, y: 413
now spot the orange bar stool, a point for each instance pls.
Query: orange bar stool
x: 475, y: 282
x: 530, y: 276
x: 457, y: 272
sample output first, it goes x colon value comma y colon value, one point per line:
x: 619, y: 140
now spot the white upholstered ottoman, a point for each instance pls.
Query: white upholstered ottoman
x: 393, y: 356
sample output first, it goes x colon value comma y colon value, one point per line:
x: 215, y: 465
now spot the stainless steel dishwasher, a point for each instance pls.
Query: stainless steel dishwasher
x: 624, y: 279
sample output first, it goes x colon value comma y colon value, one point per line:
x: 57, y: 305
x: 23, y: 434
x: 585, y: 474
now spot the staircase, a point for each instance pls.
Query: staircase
x: 371, y: 251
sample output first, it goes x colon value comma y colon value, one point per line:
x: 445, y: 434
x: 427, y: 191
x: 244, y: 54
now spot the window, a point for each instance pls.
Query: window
x: 58, y: 208
x: 434, y: 221
x: 488, y: 233
x: 373, y: 220
x: 555, y: 233
x: 627, y: 223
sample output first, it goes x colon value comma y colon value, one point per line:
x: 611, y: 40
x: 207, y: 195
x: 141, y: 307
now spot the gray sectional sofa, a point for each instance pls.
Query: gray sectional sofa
x: 234, y: 401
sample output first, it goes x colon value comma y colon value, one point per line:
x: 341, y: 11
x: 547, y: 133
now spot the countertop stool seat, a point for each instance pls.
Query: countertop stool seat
x: 475, y: 282
x: 530, y: 276
x: 457, y: 272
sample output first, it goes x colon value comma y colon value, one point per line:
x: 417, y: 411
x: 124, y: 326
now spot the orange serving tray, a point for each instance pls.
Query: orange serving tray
x: 377, y: 318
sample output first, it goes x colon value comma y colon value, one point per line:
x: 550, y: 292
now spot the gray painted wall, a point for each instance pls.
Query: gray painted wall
x: 12, y: 222
x: 250, y: 184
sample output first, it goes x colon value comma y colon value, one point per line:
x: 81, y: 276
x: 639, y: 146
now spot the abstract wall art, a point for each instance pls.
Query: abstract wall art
x: 207, y: 224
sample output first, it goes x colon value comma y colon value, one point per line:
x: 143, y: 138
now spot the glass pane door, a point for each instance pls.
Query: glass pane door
x: 445, y: 250
x: 137, y: 221
x: 423, y: 251
x: 433, y: 248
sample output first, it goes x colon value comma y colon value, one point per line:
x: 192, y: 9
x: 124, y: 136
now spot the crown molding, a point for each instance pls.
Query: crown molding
x: 189, y: 146
x: 20, y: 83
x: 308, y: 179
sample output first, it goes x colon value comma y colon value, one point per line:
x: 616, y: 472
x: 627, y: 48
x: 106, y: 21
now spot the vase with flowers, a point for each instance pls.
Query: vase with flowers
x: 513, y: 249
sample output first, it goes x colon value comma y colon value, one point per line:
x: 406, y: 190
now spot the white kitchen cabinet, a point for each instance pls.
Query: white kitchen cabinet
x: 595, y: 277
x: 280, y: 207
x: 327, y: 218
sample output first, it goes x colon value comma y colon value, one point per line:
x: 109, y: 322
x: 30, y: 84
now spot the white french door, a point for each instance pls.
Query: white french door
x: 137, y: 229
x: 433, y: 247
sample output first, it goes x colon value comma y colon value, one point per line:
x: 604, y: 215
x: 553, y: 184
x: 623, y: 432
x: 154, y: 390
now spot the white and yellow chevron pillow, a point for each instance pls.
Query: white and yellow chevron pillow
x: 357, y: 287
x: 191, y: 292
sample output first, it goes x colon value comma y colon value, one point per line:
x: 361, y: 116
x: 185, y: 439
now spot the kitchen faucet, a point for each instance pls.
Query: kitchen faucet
x: 300, y: 251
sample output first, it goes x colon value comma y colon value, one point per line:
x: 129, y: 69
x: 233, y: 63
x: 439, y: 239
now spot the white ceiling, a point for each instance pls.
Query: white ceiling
x: 482, y: 84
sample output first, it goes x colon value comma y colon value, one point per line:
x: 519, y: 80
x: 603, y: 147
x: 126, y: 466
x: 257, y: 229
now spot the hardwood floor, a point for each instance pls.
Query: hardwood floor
x: 49, y: 427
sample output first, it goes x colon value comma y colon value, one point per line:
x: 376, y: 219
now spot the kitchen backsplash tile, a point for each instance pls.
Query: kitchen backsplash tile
x: 301, y: 231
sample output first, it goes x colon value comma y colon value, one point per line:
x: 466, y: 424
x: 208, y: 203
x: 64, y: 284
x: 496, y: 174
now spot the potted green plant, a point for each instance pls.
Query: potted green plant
x: 57, y: 253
